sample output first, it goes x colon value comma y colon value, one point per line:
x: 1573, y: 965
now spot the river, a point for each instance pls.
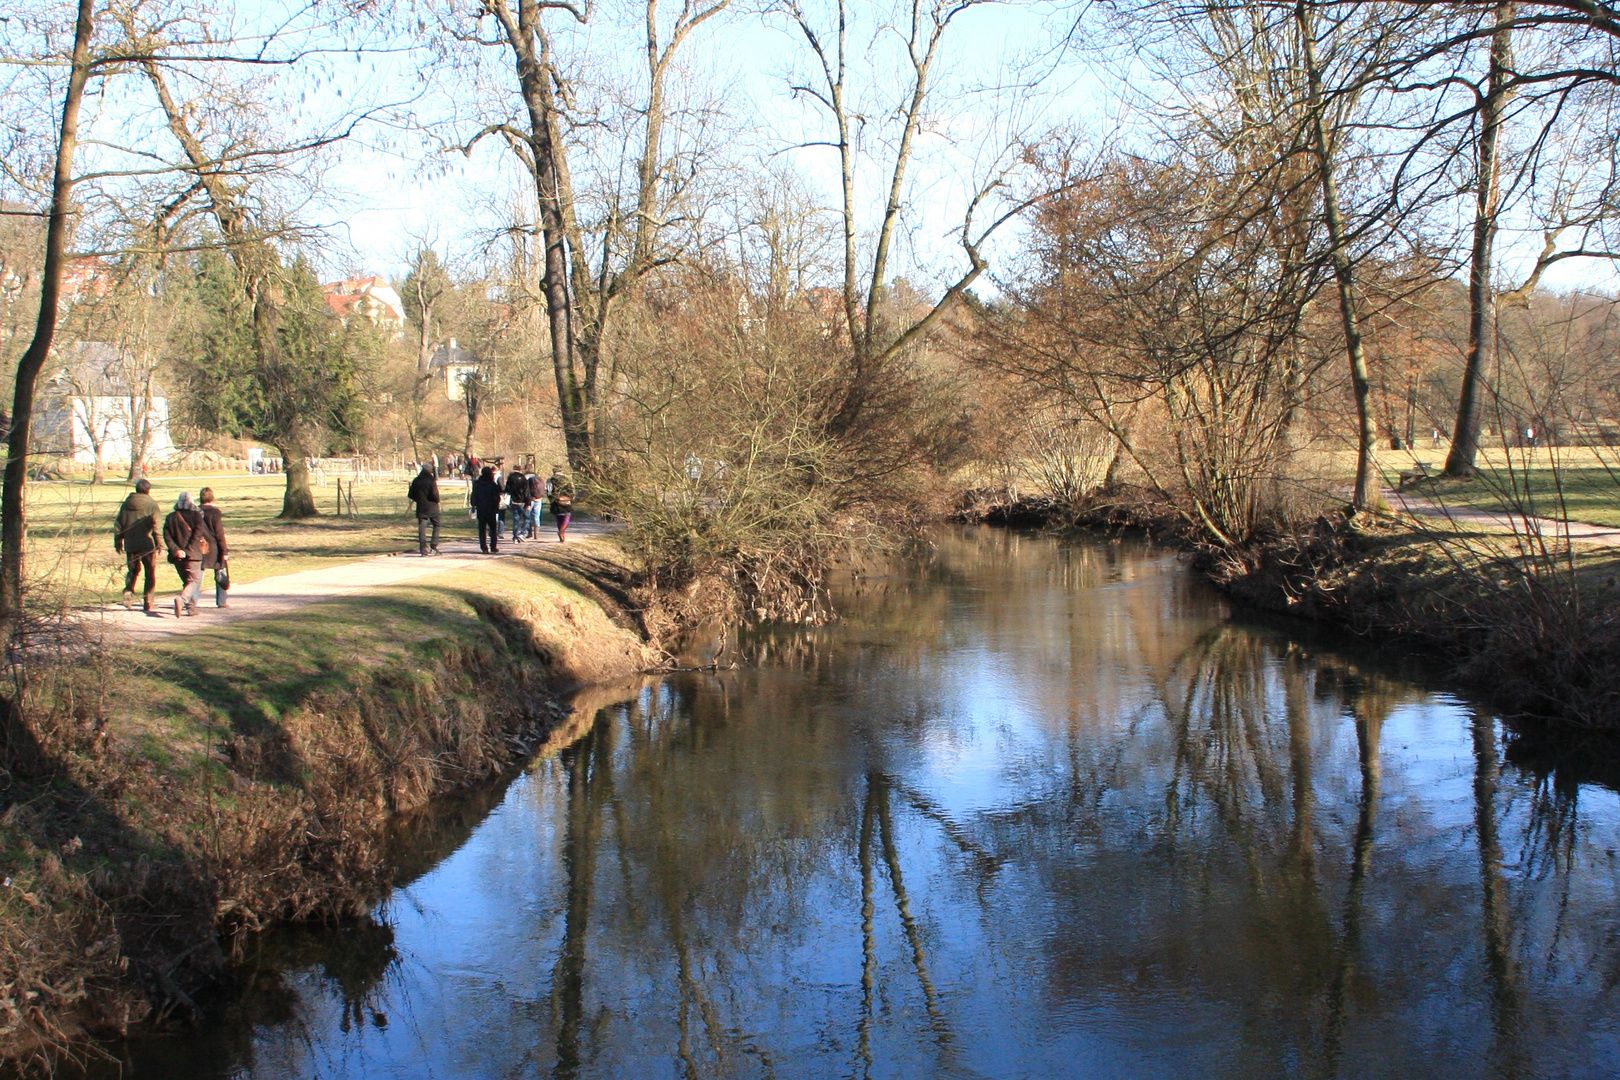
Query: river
x: 1029, y: 809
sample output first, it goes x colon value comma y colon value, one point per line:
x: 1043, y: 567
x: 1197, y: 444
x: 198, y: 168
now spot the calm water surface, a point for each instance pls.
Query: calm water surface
x: 1029, y: 810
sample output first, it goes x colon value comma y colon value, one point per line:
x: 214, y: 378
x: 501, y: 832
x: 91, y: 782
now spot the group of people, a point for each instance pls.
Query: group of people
x: 519, y: 496
x: 193, y: 535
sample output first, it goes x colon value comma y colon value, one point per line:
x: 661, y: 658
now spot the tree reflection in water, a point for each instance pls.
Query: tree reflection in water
x: 1029, y: 810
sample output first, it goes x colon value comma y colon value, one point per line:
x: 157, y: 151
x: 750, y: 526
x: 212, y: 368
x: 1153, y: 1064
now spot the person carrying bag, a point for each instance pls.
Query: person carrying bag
x: 192, y: 549
x: 214, y: 521
x: 562, y: 503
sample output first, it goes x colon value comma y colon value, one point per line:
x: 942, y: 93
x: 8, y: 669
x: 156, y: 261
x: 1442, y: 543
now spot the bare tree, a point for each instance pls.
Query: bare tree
x: 588, y: 271
x: 1487, y: 199
x: 922, y: 28
x: 219, y: 180
x: 13, y: 496
x: 425, y: 286
x: 475, y: 386
x: 1324, y: 137
x: 88, y: 411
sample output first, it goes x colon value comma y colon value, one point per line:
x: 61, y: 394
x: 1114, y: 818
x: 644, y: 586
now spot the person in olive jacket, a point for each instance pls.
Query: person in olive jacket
x: 190, y: 545
x: 136, y: 535
x: 215, y: 520
x: 486, y: 501
x: 424, y: 492
x: 562, y: 502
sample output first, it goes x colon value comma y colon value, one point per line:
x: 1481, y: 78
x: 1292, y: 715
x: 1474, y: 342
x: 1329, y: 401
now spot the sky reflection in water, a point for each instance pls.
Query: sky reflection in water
x: 1030, y: 810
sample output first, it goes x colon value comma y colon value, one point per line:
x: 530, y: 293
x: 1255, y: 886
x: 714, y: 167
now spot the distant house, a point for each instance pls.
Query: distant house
x: 88, y: 406
x: 371, y: 297
x: 826, y: 307
x: 453, y: 364
x: 86, y: 278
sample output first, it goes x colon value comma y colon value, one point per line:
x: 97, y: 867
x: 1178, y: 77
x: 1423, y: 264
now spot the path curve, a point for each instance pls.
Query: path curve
x: 289, y: 592
x: 1506, y: 521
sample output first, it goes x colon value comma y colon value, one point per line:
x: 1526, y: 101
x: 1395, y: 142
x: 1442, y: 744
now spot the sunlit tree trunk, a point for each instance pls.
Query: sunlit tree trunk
x: 1366, y: 495
x: 13, y: 514
x: 1481, y: 301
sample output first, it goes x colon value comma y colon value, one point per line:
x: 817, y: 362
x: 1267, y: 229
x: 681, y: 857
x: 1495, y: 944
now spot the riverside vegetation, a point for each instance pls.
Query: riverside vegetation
x: 1297, y: 271
x: 165, y: 800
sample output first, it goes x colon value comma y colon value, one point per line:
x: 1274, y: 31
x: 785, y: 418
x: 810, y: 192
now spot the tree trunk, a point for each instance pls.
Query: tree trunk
x: 472, y: 397
x: 424, y: 350
x: 298, y: 501
x: 570, y: 395
x: 1481, y: 301
x: 523, y: 36
x: 13, y: 517
x: 140, y: 427
x: 1367, y: 495
x: 416, y: 451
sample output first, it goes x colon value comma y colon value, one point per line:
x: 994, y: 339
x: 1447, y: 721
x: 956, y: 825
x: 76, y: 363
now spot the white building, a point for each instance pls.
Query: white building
x: 454, y: 364
x: 97, y: 403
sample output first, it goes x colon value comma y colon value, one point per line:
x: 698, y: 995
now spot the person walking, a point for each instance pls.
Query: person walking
x: 215, y: 520
x: 517, y: 490
x: 424, y: 493
x: 537, y: 502
x: 486, y: 504
x: 562, y: 502
x: 185, y: 534
x: 135, y: 534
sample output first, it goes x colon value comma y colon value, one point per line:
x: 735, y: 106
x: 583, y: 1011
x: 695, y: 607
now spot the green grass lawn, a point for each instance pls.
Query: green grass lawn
x: 70, y: 540
x: 1590, y: 493
x: 1573, y: 483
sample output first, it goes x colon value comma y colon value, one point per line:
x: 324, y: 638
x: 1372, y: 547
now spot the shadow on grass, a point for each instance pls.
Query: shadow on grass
x: 101, y: 895
x: 254, y: 671
x: 601, y: 579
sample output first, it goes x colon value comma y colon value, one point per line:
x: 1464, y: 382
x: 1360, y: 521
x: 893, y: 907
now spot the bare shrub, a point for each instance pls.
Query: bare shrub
x: 725, y: 462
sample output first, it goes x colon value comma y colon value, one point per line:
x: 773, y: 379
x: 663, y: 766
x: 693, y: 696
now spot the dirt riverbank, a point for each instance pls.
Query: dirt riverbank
x: 162, y: 800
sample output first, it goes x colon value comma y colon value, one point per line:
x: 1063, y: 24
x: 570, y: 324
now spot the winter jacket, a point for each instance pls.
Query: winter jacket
x: 186, y: 535
x: 537, y: 488
x: 486, y: 496
x: 517, y: 486
x: 136, y: 530
x: 425, y: 494
x: 215, y: 520
x: 562, y: 495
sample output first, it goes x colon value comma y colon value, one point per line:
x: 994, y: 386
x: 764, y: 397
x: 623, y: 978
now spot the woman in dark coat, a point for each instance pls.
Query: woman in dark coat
x: 215, y: 520
x: 486, y: 502
x: 189, y: 542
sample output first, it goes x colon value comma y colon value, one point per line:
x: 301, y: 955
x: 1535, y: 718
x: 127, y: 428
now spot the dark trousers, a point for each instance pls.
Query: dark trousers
x: 136, y: 564
x: 489, y: 531
x: 422, y: 532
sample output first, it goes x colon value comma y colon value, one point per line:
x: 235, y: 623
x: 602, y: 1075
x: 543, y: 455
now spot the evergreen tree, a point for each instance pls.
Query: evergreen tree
x: 305, y: 398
